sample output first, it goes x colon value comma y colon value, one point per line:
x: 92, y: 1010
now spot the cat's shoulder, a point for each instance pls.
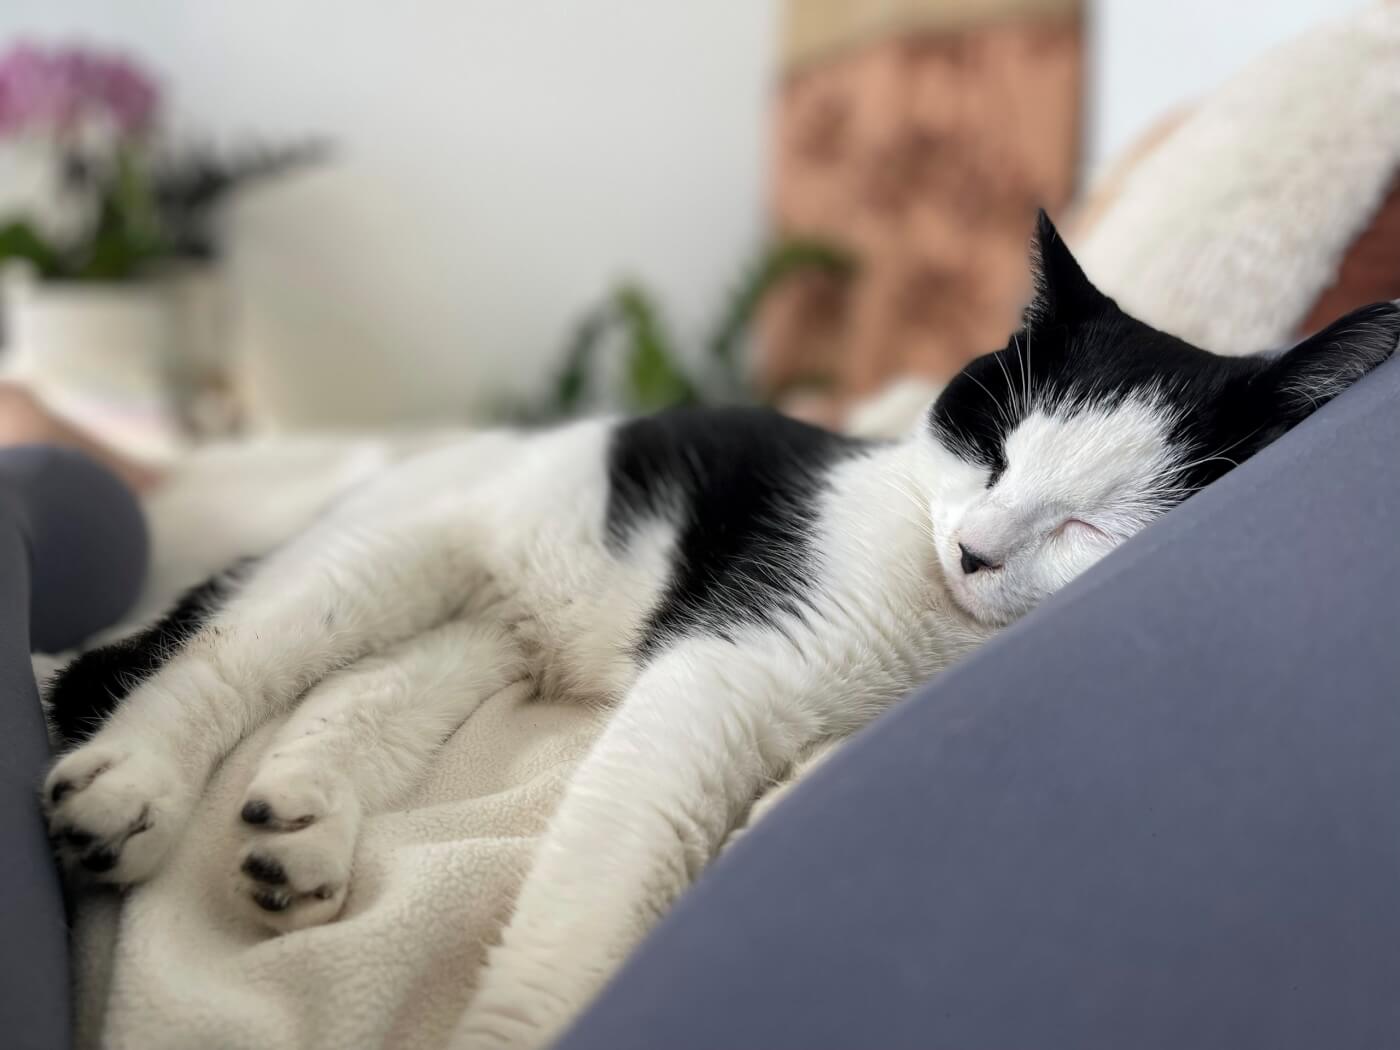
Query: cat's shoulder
x: 736, y: 437
x: 733, y: 473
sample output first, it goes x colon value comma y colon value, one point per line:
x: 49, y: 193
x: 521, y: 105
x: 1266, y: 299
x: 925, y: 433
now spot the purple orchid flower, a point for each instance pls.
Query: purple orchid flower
x: 52, y: 90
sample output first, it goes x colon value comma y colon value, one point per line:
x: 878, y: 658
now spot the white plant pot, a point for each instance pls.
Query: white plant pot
x: 129, y: 361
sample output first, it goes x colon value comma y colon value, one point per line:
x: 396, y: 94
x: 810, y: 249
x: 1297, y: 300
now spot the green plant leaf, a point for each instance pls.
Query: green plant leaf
x: 572, y: 383
x: 191, y: 185
x: 777, y: 263
x: 19, y: 240
x: 654, y: 375
x: 125, y: 240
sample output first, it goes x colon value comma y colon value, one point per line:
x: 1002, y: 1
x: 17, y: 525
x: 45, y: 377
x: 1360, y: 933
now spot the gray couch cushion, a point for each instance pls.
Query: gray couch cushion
x: 72, y: 558
x: 1162, y: 811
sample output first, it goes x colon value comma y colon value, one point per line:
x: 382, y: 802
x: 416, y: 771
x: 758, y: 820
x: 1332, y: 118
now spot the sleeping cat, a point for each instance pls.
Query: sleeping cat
x: 738, y: 585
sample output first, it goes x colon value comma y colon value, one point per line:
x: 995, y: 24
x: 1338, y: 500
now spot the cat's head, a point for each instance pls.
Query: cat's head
x: 1089, y: 424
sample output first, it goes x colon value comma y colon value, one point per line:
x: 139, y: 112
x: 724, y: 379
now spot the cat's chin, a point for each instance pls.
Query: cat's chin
x: 981, y: 612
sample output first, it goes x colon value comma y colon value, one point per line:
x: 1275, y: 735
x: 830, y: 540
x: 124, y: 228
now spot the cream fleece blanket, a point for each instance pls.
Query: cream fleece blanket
x: 177, y: 967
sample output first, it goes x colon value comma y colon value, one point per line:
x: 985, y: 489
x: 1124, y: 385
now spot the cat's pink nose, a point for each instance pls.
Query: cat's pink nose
x: 971, y: 562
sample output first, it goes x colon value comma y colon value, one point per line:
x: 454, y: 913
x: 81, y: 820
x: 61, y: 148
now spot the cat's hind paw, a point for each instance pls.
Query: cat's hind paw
x: 300, y: 830
x: 114, y: 811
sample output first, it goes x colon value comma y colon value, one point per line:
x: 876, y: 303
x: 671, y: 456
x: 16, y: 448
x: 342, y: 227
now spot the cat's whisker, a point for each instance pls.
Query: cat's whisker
x: 1219, y: 453
x: 1028, y: 373
x: 992, y: 398
x: 1008, y: 409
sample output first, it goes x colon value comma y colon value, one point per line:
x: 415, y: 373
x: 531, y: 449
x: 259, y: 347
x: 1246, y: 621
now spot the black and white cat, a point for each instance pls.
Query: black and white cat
x: 737, y: 584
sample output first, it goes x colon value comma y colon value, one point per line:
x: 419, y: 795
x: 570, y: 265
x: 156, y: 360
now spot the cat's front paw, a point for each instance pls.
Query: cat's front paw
x: 301, y: 830
x: 492, y: 1028
x: 511, y: 1011
x: 114, y: 811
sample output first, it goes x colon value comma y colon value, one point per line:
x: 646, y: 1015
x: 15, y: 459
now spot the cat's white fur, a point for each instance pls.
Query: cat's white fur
x: 470, y: 566
x: 1075, y: 486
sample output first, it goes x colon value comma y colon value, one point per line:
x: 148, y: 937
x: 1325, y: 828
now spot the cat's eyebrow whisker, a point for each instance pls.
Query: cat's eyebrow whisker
x: 1014, y: 390
x: 992, y: 397
x: 1010, y: 386
x: 1026, y: 371
x: 1220, y: 453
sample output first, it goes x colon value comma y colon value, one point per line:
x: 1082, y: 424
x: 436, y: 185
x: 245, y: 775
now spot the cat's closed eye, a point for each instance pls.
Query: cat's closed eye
x: 1078, y: 526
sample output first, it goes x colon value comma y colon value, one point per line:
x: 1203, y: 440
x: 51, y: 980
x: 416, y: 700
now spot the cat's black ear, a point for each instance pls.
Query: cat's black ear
x: 1322, y: 366
x: 1063, y: 294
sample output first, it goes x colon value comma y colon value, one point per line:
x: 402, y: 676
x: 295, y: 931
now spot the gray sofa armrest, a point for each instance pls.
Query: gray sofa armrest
x: 72, y: 557
x: 1162, y: 811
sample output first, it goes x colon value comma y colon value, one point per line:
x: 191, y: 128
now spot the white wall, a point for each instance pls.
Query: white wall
x: 503, y: 161
x: 500, y: 163
x: 1148, y: 57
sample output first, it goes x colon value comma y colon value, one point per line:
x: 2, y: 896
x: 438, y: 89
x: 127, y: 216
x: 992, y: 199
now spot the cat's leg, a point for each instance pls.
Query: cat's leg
x: 686, y: 752
x: 117, y: 802
x: 358, y: 742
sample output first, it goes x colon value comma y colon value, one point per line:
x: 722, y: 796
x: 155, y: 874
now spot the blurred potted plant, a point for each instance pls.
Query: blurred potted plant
x: 656, y: 372
x: 113, y: 286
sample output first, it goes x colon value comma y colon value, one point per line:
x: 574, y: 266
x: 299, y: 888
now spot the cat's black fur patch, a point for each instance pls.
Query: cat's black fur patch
x: 741, y: 486
x: 1077, y: 348
x: 88, y: 690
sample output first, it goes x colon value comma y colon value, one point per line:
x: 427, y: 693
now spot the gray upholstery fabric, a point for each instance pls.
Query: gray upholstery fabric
x: 86, y: 538
x: 72, y: 556
x: 1161, y: 812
